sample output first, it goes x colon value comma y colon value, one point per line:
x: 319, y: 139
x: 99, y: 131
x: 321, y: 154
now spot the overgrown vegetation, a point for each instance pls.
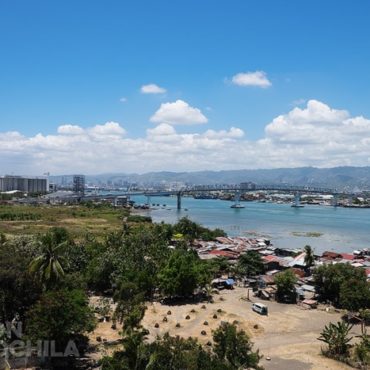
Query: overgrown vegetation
x: 96, y: 219
x: 285, y: 284
x: 343, y: 285
x: 339, y: 346
x: 232, y: 349
x: 45, y: 277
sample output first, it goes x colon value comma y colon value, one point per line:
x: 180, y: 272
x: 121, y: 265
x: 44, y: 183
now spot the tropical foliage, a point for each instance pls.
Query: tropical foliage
x: 232, y: 350
x: 343, y: 285
x: 59, y: 315
x: 250, y: 264
x: 336, y: 337
x: 285, y: 284
x: 309, y: 258
x: 183, y: 272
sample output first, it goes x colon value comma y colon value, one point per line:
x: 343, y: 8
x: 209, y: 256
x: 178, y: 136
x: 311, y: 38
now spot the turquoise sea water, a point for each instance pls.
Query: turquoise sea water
x: 342, y: 229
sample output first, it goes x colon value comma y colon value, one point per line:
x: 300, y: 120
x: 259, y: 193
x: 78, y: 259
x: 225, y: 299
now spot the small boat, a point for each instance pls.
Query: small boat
x: 237, y: 206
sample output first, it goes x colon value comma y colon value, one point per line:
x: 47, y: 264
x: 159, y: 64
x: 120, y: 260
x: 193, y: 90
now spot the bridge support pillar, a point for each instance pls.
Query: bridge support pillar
x: 297, y: 200
x: 335, y: 200
x: 179, y: 201
x: 237, y: 197
x: 148, y: 200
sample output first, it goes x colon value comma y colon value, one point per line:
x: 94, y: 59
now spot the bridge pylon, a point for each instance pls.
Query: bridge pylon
x: 178, y: 200
x: 297, y: 200
x: 334, y: 201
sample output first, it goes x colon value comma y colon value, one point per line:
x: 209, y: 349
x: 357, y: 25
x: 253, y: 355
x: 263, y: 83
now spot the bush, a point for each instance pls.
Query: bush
x: 138, y: 218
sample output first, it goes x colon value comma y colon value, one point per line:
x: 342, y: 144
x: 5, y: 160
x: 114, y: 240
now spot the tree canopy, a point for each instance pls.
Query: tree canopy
x: 59, y: 315
x: 250, y: 264
x: 232, y: 350
x: 285, y: 284
x: 343, y: 285
x: 183, y: 273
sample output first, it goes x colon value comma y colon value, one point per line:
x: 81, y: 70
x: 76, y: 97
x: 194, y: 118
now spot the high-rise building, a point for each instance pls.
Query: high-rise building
x: 79, y: 184
x: 24, y: 184
x: 247, y: 186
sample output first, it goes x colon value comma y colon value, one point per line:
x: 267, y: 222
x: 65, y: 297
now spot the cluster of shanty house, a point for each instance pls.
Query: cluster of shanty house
x: 278, y: 259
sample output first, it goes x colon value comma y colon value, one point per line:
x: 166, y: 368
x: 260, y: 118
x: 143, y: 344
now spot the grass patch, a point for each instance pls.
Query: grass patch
x: 309, y: 234
x: 77, y: 219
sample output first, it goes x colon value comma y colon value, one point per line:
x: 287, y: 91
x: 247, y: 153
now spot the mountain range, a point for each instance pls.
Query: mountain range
x: 342, y: 178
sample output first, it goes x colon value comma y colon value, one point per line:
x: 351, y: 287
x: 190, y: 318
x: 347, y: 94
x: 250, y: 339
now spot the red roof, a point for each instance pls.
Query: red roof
x: 223, y: 253
x: 271, y: 258
x: 331, y: 255
x: 300, y: 273
x: 347, y: 256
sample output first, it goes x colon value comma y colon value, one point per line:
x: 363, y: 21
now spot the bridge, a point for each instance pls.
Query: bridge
x: 298, y: 191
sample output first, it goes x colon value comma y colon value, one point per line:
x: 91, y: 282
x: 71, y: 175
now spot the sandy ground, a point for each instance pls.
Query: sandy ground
x: 287, y: 336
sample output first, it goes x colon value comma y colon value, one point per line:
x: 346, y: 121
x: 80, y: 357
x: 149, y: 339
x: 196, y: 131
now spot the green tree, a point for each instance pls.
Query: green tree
x: 329, y: 282
x: 183, y: 273
x: 59, y: 315
x: 219, y: 266
x: 18, y: 288
x: 191, y: 230
x: 49, y: 265
x: 309, y: 258
x: 165, y: 353
x: 336, y: 336
x: 362, y: 350
x: 187, y: 228
x: 250, y: 264
x: 285, y: 283
x: 354, y: 294
x: 130, y: 306
x: 234, y: 347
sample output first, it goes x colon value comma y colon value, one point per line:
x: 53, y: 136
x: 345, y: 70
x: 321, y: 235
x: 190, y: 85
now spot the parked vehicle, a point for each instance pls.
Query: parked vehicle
x: 260, y: 308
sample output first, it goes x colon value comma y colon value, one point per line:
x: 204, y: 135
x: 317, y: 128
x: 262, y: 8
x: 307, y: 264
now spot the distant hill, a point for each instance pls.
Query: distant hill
x: 343, y: 178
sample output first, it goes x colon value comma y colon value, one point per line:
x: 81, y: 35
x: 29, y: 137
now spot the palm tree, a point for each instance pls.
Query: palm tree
x: 336, y: 337
x: 250, y: 264
x: 309, y: 258
x: 48, y: 266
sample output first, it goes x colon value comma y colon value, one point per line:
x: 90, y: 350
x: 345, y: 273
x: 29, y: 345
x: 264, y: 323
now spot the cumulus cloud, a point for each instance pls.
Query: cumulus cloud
x: 257, y: 79
x: 152, y: 89
x: 314, y: 135
x: 70, y: 130
x: 234, y: 133
x: 109, y: 128
x: 178, y: 113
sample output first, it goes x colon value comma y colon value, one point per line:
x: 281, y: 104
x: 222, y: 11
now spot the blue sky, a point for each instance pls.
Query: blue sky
x: 70, y: 62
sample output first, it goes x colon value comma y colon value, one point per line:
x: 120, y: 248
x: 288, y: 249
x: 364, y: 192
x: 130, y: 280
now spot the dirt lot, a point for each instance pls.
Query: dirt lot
x: 288, y: 335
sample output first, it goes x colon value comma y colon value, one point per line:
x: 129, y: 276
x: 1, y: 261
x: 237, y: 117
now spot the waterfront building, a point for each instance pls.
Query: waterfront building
x: 23, y: 184
x: 79, y: 184
x: 247, y: 186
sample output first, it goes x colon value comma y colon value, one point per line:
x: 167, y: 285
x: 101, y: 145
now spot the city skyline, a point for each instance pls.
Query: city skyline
x: 180, y: 86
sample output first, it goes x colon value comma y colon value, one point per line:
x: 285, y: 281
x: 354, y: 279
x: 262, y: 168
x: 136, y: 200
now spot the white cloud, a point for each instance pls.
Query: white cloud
x: 109, y: 128
x: 162, y: 129
x: 178, y: 113
x: 70, y: 130
x: 123, y: 100
x: 234, y: 133
x: 152, y: 89
x: 258, y: 79
x: 314, y: 135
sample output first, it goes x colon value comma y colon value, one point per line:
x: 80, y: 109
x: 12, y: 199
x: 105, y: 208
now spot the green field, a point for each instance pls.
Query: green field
x: 77, y: 219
